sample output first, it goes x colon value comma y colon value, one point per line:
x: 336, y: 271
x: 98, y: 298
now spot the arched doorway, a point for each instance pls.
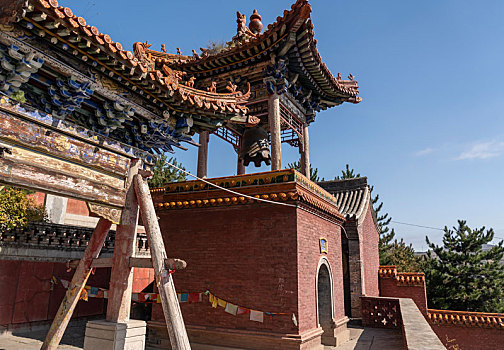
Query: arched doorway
x: 325, y: 304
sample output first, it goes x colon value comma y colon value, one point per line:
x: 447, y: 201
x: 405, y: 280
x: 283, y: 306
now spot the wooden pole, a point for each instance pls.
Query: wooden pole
x: 204, y: 137
x: 305, y: 154
x: 274, y: 129
x: 121, y: 276
x: 78, y: 283
x: 164, y: 280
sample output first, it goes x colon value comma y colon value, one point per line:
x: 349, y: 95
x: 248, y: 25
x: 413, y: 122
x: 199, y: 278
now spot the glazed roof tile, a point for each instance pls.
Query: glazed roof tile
x: 306, y: 58
x: 353, y: 196
x: 61, y: 22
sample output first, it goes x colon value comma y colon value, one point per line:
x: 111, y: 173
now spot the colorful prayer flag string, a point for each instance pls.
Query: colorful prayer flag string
x: 255, y: 315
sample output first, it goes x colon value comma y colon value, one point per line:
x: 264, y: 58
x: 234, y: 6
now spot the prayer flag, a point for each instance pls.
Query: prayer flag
x: 158, y: 299
x: 242, y: 311
x: 221, y: 303
x: 83, y: 295
x: 215, y: 301
x: 134, y: 297
x: 101, y: 294
x: 183, y: 297
x: 105, y: 294
x: 231, y: 309
x: 93, y: 292
x: 194, y: 297
x: 257, y: 316
x: 294, y: 320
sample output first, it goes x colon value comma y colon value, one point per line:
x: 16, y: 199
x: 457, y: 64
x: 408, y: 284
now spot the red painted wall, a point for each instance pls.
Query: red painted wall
x: 243, y: 254
x: 26, y: 295
x: 470, y: 338
x: 256, y: 256
x: 141, y: 279
x: 370, y: 254
x: 77, y: 207
x: 310, y: 229
x: 389, y: 288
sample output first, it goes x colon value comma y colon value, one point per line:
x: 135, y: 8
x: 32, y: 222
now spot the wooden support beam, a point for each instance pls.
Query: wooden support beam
x: 121, y: 276
x: 204, y: 137
x: 164, y: 280
x: 78, y: 283
x: 144, y: 263
x: 170, y: 264
x: 96, y: 263
x: 275, y: 132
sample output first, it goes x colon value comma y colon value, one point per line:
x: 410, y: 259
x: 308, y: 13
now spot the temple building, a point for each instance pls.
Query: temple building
x: 259, y: 260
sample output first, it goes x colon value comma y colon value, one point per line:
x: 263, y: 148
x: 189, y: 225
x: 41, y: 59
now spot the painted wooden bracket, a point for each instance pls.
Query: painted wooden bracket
x: 171, y: 264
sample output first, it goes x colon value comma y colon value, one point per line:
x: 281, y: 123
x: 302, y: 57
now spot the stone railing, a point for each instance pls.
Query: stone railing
x: 39, y: 241
x: 404, y: 315
x: 465, y: 318
x: 381, y: 312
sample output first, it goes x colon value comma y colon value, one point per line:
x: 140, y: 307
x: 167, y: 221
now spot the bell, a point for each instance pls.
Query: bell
x: 255, y: 147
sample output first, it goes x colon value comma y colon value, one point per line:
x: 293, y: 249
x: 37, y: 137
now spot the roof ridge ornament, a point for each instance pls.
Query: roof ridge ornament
x: 256, y: 25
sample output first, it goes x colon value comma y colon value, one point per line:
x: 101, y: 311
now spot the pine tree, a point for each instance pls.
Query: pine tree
x: 461, y: 275
x: 164, y: 173
x: 347, y: 174
x: 313, y: 171
x: 392, y: 251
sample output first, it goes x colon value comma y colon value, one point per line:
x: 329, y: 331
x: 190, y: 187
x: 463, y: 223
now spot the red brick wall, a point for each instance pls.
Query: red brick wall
x: 141, y: 279
x: 370, y: 254
x: 77, y: 207
x: 310, y: 229
x: 389, y: 288
x: 26, y: 294
x: 470, y: 338
x: 243, y: 254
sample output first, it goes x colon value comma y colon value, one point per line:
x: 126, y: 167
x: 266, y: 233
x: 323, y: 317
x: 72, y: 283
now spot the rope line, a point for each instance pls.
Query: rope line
x: 228, y: 190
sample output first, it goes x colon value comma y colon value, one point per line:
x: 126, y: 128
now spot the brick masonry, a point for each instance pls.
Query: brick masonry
x: 453, y: 336
x: 27, y: 296
x: 260, y: 256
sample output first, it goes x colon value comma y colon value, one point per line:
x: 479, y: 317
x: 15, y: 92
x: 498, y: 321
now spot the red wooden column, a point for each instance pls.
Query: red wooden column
x: 305, y: 152
x: 121, y: 278
x: 78, y: 283
x: 274, y: 129
x: 204, y: 137
x: 240, y: 167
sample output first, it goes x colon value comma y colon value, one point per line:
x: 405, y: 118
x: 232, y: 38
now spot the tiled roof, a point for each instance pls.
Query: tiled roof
x: 304, y: 58
x: 353, y: 196
x: 162, y: 87
x: 277, y: 186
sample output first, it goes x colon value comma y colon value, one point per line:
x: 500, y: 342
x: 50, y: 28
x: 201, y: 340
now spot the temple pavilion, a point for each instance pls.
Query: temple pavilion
x: 84, y: 118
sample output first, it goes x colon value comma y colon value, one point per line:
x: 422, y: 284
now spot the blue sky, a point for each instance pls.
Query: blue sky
x: 429, y: 134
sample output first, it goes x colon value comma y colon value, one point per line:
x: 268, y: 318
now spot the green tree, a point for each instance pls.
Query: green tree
x: 460, y: 275
x: 163, y: 173
x: 347, y: 174
x: 392, y: 251
x: 313, y: 171
x: 17, y: 209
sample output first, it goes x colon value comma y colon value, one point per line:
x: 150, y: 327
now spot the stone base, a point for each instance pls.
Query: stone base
x: 213, y: 338
x: 104, y: 335
x: 338, y: 334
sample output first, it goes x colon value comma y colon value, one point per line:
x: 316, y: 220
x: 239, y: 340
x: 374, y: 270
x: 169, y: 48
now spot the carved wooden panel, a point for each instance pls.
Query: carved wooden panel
x: 47, y: 159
